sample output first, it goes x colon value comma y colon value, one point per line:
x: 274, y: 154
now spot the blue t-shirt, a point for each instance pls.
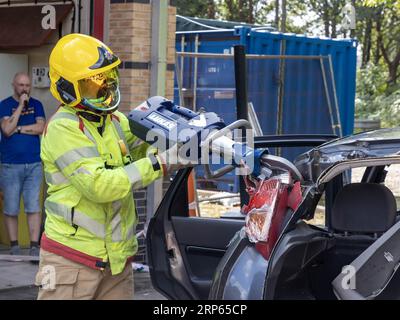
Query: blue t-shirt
x: 21, y: 148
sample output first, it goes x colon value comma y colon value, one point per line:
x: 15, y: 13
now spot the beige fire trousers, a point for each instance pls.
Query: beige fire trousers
x: 62, y: 279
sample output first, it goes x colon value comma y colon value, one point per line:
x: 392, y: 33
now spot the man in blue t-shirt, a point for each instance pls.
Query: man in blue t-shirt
x: 22, y: 121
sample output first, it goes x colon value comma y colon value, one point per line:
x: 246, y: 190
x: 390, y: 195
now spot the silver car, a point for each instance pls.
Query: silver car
x: 353, y: 255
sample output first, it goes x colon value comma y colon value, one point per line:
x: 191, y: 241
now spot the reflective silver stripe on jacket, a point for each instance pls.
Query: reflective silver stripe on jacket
x: 89, y: 135
x: 55, y: 178
x: 121, y: 134
x: 116, y: 225
x: 134, y: 176
x: 75, y: 154
x: 131, y: 232
x: 80, y: 219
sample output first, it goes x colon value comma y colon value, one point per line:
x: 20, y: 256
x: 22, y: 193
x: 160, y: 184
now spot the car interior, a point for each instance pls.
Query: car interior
x: 306, y: 259
x: 309, y: 258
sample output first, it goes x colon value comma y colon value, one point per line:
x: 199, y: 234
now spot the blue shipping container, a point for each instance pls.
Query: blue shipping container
x: 312, y: 88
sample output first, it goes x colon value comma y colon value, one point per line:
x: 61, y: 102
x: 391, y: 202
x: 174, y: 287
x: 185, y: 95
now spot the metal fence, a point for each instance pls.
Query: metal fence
x: 289, y: 94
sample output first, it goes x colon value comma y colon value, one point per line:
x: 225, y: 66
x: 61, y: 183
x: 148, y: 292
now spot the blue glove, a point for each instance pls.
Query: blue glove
x: 242, y: 152
x: 257, y: 153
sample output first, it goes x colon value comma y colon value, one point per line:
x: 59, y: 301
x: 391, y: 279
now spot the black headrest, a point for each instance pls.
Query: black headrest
x: 364, y: 207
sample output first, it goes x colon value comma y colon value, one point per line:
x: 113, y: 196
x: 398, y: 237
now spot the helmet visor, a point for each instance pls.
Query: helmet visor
x: 101, y: 91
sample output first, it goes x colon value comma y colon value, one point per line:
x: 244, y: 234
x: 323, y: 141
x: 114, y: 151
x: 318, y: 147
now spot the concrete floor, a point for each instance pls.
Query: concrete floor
x: 17, y: 279
x: 143, y: 290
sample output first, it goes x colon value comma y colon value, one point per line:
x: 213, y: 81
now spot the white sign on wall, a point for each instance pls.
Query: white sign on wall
x: 40, y: 77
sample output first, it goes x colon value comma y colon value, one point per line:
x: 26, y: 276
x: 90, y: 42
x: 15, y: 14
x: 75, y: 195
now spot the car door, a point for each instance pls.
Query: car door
x: 373, y: 274
x: 184, y: 251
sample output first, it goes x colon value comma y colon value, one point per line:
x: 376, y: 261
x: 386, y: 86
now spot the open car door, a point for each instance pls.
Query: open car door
x: 186, y: 253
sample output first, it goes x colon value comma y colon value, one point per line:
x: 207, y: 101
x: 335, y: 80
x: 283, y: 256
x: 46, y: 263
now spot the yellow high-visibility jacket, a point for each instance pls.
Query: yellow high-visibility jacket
x: 91, y: 215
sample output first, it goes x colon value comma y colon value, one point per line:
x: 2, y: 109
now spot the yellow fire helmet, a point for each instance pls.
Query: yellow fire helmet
x: 84, y: 71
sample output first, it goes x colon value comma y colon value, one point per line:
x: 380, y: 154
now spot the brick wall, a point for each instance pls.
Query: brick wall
x: 140, y: 201
x: 130, y: 39
x: 171, y: 52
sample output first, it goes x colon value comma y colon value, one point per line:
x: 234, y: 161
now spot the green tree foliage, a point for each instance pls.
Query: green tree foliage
x: 197, y: 8
x: 374, y: 99
x: 328, y: 13
x: 378, y: 90
x: 249, y: 11
x: 377, y: 30
x: 371, y: 84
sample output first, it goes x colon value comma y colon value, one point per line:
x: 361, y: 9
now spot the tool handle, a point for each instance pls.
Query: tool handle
x: 187, y: 113
x: 207, y: 145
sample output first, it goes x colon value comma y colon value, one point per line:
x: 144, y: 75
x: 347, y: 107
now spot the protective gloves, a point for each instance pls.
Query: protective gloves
x: 250, y: 161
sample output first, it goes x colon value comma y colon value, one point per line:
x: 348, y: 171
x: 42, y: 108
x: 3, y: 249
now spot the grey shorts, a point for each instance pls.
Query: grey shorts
x: 21, y: 179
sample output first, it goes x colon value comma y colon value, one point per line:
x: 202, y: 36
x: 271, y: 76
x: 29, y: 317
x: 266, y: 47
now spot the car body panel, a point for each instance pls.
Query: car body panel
x: 372, y: 144
x: 374, y: 273
x: 247, y: 276
x: 242, y: 272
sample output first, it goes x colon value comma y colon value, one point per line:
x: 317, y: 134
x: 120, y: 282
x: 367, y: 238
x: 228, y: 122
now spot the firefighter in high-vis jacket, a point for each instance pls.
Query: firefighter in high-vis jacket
x: 92, y: 162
